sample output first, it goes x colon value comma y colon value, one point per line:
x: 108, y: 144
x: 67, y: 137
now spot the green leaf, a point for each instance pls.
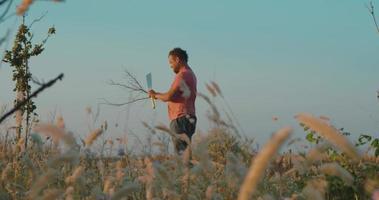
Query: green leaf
x: 375, y: 143
x: 363, y: 139
x: 51, y: 31
x: 310, y: 138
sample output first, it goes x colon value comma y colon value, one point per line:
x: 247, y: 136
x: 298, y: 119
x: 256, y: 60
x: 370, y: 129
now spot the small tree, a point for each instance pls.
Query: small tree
x: 18, y: 59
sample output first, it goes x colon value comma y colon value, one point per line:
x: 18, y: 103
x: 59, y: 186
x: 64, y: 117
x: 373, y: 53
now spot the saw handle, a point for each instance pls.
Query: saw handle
x: 153, y: 102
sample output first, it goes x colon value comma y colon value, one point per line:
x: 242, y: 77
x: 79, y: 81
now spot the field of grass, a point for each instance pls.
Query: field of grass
x: 221, y: 164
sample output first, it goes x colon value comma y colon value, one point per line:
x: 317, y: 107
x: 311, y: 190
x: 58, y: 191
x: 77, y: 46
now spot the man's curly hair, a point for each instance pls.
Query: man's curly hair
x: 180, y: 53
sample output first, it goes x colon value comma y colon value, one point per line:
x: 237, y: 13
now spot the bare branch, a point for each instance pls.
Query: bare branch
x: 134, y: 80
x: 36, y: 81
x: 372, y: 13
x: 2, y: 16
x: 132, y: 85
x: 4, y: 39
x: 7, y: 17
x: 34, y: 94
x: 38, y: 19
x: 106, y: 102
x: 2, y: 2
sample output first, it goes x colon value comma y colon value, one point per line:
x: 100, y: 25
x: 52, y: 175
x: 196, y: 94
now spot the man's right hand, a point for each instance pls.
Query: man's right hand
x: 152, y: 94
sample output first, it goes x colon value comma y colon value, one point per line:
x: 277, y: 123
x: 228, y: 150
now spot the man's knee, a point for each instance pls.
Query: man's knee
x: 181, y: 143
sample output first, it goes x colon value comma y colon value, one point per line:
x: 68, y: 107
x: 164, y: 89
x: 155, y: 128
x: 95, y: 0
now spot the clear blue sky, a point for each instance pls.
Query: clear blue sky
x: 271, y: 58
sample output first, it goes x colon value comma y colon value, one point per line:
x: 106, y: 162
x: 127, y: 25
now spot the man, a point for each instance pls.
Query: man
x: 180, y: 99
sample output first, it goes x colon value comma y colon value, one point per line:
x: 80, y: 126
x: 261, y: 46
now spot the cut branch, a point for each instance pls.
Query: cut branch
x: 133, y: 86
x: 106, y: 102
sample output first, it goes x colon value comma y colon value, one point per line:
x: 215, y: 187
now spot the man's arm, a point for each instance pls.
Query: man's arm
x: 167, y: 96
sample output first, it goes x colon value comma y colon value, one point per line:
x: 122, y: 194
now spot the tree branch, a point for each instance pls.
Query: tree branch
x: 2, y: 17
x: 3, y: 39
x: 38, y: 19
x: 2, y: 2
x: 372, y: 13
x: 34, y: 94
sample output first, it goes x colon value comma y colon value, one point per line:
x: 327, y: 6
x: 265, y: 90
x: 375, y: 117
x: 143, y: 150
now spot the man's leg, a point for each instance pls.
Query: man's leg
x: 183, y: 128
x: 177, y: 126
x: 180, y: 145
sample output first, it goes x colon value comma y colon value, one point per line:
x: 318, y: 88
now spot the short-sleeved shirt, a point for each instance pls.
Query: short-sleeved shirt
x: 183, y: 101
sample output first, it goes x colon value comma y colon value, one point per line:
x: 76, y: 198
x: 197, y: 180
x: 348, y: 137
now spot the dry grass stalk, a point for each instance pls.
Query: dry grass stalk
x: 119, y: 171
x: 68, y: 193
x: 60, y: 122
x: 335, y: 169
x: 149, y: 178
x: 328, y: 132
x: 7, y: 172
x: 52, y: 194
x: 371, y: 185
x: 92, y: 137
x: 315, y: 189
x: 260, y: 163
x: 316, y: 154
x: 21, y: 144
x: 75, y: 175
x: 57, y: 134
x: 125, y: 191
x: 171, y: 194
x: 325, y: 118
x: 165, y: 129
x: 68, y: 157
x: 186, y: 161
x: 210, y: 89
x: 215, y: 112
x: 41, y: 182
x: 108, y: 184
x: 217, y: 88
x: 209, y: 192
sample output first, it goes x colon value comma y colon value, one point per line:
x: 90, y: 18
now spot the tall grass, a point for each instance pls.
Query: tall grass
x: 224, y: 165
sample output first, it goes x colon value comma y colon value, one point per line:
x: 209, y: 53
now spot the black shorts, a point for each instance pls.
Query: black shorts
x: 185, y: 124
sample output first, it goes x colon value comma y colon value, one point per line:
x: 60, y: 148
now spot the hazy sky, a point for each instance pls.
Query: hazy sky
x: 271, y: 58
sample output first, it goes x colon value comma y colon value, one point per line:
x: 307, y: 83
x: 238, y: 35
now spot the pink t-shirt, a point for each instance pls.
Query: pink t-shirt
x: 183, y: 101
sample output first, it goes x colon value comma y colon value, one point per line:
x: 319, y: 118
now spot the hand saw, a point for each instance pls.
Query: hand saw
x: 150, y: 86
